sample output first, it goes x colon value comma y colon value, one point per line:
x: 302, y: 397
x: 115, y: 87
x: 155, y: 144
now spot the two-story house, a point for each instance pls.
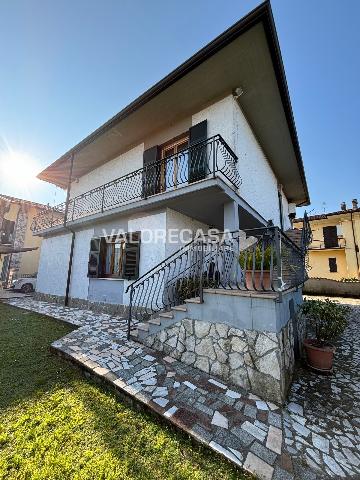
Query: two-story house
x: 211, y: 145
x: 334, y: 250
x: 16, y: 238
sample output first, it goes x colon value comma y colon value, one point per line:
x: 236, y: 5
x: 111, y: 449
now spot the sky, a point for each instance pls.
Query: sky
x: 68, y: 66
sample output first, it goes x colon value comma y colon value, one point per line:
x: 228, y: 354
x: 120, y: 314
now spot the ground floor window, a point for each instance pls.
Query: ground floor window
x: 115, y: 257
x: 332, y: 265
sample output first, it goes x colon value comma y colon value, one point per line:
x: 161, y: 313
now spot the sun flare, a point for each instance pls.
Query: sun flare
x: 18, y: 169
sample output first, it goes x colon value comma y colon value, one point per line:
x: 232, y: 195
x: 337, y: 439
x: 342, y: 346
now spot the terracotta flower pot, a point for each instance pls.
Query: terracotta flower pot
x: 254, y: 283
x: 319, y: 358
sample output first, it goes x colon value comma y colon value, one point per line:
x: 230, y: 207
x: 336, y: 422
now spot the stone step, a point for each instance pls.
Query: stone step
x: 179, y: 308
x: 143, y: 326
x: 155, y: 321
x: 193, y: 300
x: 166, y: 315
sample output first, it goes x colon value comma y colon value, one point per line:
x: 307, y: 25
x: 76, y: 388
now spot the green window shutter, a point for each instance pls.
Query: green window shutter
x: 132, y: 256
x: 197, y: 156
x: 94, y: 257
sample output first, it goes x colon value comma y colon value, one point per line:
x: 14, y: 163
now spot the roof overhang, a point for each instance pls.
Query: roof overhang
x: 247, y: 55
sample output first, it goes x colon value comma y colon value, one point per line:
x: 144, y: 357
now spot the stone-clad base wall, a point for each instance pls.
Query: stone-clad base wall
x: 262, y: 362
x: 97, y: 307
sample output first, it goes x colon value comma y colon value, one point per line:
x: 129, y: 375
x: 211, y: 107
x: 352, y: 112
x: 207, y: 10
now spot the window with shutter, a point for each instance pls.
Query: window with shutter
x: 197, y: 156
x: 132, y: 256
x: 330, y: 237
x: 115, y: 257
x: 94, y: 258
x: 332, y: 265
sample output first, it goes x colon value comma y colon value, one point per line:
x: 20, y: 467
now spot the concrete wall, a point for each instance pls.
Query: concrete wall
x: 53, y: 265
x: 325, y: 286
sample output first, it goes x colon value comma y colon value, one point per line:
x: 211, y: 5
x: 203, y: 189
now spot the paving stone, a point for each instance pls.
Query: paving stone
x: 320, y: 442
x: 250, y: 411
x: 274, y: 439
x: 264, y: 453
x: 256, y: 465
x: 219, y: 420
x: 254, y: 431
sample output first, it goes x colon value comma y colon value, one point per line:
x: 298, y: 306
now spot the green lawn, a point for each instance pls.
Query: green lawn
x: 55, y: 424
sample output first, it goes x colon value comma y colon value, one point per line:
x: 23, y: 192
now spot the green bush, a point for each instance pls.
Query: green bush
x: 328, y: 319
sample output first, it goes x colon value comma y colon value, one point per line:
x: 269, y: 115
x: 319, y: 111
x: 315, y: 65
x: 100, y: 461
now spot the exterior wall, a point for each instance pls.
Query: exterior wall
x: 30, y: 260
x: 53, y: 266
x: 259, y: 184
x: 345, y: 257
x: 325, y: 286
x: 319, y: 264
x: 79, y: 287
x: 224, y: 117
x: 119, y: 166
x: 22, y: 213
x: 176, y: 220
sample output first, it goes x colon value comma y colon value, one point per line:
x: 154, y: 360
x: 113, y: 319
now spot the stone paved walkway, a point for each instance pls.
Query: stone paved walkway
x: 315, y: 435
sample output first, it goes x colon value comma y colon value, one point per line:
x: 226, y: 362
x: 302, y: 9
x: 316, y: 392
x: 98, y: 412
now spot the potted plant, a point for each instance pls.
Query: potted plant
x: 326, y: 320
x: 254, y: 265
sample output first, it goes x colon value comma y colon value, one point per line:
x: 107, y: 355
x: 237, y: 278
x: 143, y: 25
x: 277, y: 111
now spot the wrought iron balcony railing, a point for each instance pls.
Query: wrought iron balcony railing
x: 259, y: 259
x: 212, y: 157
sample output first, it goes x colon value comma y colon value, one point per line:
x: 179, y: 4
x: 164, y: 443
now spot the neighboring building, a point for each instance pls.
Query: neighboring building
x: 334, y: 251
x: 19, y: 248
x: 213, y: 144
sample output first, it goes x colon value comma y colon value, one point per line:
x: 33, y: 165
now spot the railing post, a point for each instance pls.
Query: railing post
x: 201, y: 287
x: 102, y: 199
x: 278, y: 262
x: 214, y: 158
x: 130, y: 312
x: 73, y: 209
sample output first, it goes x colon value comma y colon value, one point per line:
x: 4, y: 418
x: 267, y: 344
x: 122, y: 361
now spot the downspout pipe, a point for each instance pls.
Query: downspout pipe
x: 68, y: 281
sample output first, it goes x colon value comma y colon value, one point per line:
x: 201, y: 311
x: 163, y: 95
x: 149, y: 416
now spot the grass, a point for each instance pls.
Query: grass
x: 55, y: 424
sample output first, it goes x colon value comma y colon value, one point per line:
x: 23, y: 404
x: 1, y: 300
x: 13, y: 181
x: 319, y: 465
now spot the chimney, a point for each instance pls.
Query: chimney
x: 343, y: 206
x: 355, y: 203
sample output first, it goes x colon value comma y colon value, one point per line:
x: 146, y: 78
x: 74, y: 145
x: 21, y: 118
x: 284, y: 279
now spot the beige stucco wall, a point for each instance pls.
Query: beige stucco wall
x: 27, y: 261
x: 346, y: 257
x: 30, y: 260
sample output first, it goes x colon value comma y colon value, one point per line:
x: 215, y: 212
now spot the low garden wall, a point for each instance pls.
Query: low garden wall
x: 326, y: 286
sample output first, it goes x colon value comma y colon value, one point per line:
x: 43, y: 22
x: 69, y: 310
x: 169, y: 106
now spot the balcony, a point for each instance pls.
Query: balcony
x: 321, y: 245
x: 207, y: 159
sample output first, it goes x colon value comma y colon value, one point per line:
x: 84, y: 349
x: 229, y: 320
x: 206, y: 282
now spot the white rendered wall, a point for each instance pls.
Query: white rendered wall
x: 259, y: 183
x: 53, y: 265
x: 119, y: 166
x: 178, y: 221
x: 79, y: 280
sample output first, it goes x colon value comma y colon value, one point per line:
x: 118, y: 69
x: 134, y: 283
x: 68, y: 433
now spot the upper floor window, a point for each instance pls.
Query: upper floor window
x: 7, y: 228
x: 330, y: 237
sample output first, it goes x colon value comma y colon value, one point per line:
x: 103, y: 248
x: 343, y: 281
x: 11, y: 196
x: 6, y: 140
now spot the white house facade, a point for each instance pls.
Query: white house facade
x: 211, y: 146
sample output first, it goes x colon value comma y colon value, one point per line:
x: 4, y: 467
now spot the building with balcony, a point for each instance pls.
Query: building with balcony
x: 334, y: 250
x: 19, y: 248
x: 213, y: 145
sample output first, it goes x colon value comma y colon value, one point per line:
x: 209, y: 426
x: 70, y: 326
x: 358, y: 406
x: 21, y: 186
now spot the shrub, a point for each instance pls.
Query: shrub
x: 327, y: 319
